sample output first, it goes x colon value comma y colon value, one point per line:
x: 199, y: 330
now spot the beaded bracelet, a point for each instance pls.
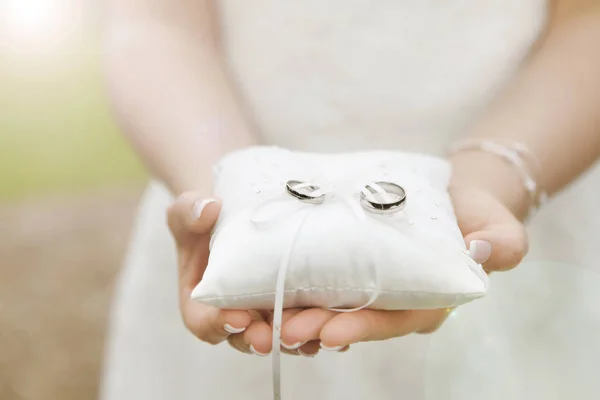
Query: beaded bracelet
x: 513, y: 153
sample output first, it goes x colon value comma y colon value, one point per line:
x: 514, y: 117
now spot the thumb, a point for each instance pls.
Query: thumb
x: 192, y: 214
x: 498, y: 247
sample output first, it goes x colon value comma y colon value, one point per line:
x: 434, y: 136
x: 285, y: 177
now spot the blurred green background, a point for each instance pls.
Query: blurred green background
x: 57, y: 135
x: 69, y: 188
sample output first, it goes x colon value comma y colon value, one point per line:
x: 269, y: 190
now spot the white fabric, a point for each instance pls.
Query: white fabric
x: 414, y: 259
x: 346, y: 75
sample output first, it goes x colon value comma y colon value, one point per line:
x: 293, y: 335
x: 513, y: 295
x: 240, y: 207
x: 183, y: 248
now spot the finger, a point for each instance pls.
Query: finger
x: 371, y: 325
x: 191, y: 222
x: 192, y: 214
x: 434, y: 326
x: 258, y: 337
x: 499, y: 247
x: 242, y: 343
x: 362, y: 325
x: 238, y: 340
x: 310, y: 349
x: 191, y: 219
x: 193, y: 260
x: 304, y: 327
x: 212, y: 325
x: 286, y: 316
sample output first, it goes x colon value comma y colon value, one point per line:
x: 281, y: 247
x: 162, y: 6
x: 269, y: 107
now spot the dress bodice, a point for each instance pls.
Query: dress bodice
x: 355, y: 74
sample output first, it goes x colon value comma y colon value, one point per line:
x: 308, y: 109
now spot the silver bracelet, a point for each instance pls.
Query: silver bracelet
x: 513, y: 153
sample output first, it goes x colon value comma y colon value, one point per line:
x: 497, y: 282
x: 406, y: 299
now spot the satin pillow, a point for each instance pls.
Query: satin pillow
x: 336, y: 254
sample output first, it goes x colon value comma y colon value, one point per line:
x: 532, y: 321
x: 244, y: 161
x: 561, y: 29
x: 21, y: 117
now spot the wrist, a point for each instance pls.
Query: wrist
x: 485, y: 171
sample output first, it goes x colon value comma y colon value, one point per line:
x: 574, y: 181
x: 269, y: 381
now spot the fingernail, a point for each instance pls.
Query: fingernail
x: 230, y: 329
x: 200, y: 205
x: 336, y: 348
x: 258, y: 353
x: 303, y: 354
x: 480, y: 250
x: 294, y: 346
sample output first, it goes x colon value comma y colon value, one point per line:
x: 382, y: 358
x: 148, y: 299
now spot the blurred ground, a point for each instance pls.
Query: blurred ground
x: 59, y: 261
x: 68, y: 188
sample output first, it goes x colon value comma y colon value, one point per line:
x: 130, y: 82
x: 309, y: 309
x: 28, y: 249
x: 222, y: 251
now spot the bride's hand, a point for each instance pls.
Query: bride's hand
x: 191, y: 219
x: 496, y: 239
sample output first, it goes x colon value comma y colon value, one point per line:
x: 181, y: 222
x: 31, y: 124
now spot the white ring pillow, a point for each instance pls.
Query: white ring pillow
x: 340, y: 255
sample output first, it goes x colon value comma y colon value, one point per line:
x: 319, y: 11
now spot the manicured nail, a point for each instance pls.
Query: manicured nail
x: 303, y: 354
x: 294, y: 346
x: 253, y: 350
x: 230, y: 329
x: 200, y: 205
x: 480, y: 250
x: 336, y: 348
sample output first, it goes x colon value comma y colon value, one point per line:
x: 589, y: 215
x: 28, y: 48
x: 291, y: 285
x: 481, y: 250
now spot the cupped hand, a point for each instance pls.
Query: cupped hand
x: 494, y: 236
x: 191, y: 219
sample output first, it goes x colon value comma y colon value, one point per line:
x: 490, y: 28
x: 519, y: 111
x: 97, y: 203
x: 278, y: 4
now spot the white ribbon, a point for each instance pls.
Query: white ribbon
x: 292, y: 207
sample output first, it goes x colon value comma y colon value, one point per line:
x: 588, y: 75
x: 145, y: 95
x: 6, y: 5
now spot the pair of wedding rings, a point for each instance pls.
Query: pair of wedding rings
x: 375, y: 197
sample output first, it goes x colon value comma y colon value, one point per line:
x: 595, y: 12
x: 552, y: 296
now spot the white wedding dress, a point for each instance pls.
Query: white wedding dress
x: 345, y: 75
